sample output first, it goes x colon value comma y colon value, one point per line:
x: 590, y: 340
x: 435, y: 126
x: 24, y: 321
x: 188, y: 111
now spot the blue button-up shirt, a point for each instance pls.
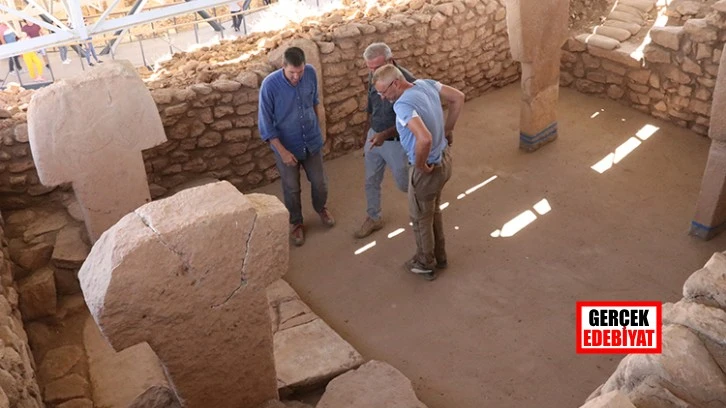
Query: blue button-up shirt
x: 288, y: 113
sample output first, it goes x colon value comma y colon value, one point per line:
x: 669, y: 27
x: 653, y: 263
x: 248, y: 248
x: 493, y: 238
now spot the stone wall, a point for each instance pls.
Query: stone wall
x: 690, y: 370
x: 673, y: 80
x: 18, y: 384
x: 209, y: 106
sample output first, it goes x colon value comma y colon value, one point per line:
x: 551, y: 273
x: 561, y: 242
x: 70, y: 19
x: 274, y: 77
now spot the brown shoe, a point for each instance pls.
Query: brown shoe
x: 297, y: 234
x: 326, y: 217
x: 369, y: 226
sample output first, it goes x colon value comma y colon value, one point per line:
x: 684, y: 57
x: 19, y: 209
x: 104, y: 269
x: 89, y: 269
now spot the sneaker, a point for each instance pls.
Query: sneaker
x: 297, y: 234
x: 420, y: 270
x: 66, y: 62
x: 90, y: 64
x: 326, y: 217
x: 369, y: 226
x: 442, y: 264
x: 99, y: 61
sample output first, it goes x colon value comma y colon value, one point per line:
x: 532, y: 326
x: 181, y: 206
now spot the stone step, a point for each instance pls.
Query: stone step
x: 308, y: 353
x: 131, y: 377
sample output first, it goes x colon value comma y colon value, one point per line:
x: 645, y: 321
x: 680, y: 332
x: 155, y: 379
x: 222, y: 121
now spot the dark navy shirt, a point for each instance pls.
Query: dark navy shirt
x: 287, y: 112
x: 382, y: 115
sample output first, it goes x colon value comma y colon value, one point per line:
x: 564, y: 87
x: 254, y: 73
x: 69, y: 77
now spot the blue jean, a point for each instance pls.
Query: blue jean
x: 376, y: 158
x: 290, y: 177
x: 63, y: 50
x: 90, y: 51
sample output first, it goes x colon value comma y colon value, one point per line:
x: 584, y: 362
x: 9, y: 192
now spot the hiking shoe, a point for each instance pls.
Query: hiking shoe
x: 297, y: 234
x: 420, y: 270
x: 326, y: 217
x: 369, y: 226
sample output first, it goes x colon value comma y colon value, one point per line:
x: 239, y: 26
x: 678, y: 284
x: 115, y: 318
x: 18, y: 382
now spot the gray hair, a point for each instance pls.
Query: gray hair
x: 376, y: 50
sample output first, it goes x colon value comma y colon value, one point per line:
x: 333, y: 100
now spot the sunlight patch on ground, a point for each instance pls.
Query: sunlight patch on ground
x: 365, y: 248
x: 521, y: 221
x: 611, y: 159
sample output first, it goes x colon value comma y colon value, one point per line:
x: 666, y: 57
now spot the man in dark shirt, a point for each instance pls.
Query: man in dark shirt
x: 382, y: 146
x: 288, y: 121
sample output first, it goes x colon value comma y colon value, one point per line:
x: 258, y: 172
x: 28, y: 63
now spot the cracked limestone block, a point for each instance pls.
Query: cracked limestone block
x: 188, y: 275
x: 90, y: 131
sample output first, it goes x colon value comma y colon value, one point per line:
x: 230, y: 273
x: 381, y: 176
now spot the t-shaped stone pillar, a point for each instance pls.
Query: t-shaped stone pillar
x: 188, y: 275
x: 710, y: 218
x: 537, y: 29
x: 90, y: 131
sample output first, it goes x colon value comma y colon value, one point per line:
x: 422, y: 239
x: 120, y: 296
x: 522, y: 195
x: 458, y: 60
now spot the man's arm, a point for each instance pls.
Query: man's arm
x: 455, y: 100
x: 266, y: 125
x: 423, y: 143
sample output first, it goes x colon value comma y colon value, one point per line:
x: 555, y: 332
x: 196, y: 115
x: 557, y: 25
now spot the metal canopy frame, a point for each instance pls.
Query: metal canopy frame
x: 61, y: 34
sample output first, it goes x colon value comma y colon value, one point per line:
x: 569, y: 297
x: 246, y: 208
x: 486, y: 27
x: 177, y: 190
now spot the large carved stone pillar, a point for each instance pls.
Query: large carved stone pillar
x: 710, y: 218
x: 537, y: 29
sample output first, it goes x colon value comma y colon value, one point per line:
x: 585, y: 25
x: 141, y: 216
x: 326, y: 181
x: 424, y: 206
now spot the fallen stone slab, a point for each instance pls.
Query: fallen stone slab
x: 58, y: 362
x: 599, y: 41
x: 631, y: 27
x: 118, y: 379
x: 708, y: 284
x: 37, y: 295
x: 70, y: 251
x: 709, y: 323
x: 30, y: 257
x: 619, y: 34
x: 613, y: 399
x: 308, y: 353
x: 375, y: 384
x: 66, y: 388
x: 685, y: 368
x: 53, y: 222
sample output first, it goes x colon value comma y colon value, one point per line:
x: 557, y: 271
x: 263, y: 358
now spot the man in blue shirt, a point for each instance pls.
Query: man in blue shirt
x: 425, y: 136
x: 382, y: 146
x: 288, y: 122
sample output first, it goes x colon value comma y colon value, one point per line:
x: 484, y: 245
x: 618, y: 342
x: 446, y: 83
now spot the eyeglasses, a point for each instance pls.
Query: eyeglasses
x: 387, y: 88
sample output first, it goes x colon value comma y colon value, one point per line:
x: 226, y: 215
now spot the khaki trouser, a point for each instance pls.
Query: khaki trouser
x: 424, y: 196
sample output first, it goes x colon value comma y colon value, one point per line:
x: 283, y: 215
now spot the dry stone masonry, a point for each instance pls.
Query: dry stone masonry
x: 207, y: 99
x: 690, y: 370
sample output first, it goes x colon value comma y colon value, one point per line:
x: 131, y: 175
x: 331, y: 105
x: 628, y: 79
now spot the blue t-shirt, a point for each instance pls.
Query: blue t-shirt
x: 288, y: 113
x: 422, y: 100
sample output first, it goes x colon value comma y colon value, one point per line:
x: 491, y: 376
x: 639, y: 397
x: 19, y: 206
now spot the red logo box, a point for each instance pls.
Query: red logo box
x: 619, y: 327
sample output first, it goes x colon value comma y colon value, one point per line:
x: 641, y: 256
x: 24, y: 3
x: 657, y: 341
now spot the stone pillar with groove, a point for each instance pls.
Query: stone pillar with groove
x: 710, y: 217
x: 537, y: 29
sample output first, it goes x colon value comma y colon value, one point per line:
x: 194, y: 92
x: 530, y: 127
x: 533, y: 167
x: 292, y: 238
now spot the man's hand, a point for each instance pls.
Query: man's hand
x: 450, y: 137
x: 427, y: 168
x: 287, y: 157
x: 378, y: 138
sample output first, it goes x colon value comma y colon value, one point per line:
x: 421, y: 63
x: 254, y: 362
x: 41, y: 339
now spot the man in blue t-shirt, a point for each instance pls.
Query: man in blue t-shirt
x: 425, y: 136
x: 288, y: 122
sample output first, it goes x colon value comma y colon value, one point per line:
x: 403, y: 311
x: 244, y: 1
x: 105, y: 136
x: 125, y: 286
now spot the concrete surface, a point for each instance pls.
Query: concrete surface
x: 497, y: 329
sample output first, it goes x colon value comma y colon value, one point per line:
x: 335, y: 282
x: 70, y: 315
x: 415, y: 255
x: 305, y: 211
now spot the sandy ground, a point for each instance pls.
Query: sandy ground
x: 497, y: 329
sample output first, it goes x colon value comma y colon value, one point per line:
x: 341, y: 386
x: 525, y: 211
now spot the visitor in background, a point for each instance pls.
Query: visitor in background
x: 236, y: 10
x: 33, y: 62
x: 7, y: 36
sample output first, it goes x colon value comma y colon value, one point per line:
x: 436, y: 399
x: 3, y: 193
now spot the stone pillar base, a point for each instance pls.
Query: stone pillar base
x: 531, y: 143
x: 704, y: 231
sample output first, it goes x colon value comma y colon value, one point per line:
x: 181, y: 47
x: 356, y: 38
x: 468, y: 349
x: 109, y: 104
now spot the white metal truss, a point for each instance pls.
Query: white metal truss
x: 79, y: 32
